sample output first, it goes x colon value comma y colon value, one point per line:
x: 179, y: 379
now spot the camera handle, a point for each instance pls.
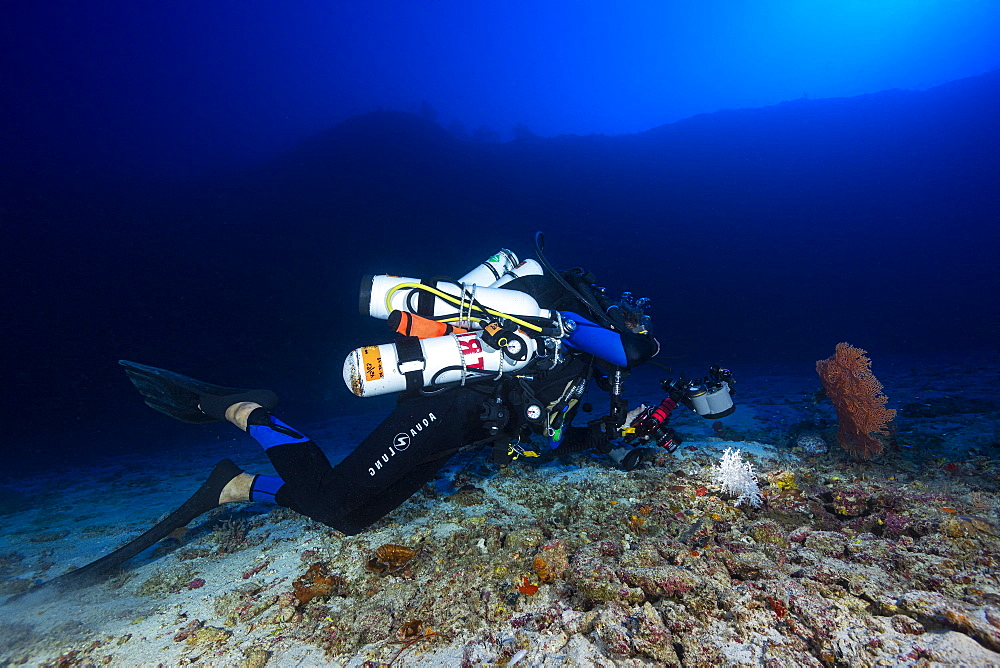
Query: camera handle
x: 619, y: 405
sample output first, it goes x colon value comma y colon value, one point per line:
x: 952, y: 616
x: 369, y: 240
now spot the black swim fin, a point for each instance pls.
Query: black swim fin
x: 188, y: 399
x: 203, y: 500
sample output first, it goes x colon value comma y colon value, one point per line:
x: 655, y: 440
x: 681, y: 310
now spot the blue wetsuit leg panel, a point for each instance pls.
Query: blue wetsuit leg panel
x: 265, y: 488
x: 275, y: 432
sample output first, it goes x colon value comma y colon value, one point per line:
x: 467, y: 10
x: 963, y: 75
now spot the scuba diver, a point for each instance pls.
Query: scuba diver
x: 495, y: 358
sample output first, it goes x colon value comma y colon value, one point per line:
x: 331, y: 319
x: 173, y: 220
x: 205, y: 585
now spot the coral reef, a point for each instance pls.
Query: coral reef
x: 811, y: 444
x: 854, y: 568
x: 857, y: 396
x: 233, y: 535
x: 167, y: 581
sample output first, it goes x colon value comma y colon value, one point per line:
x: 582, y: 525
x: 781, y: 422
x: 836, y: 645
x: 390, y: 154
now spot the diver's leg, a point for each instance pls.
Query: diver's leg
x: 382, y: 472
x: 268, y: 432
x: 239, y: 489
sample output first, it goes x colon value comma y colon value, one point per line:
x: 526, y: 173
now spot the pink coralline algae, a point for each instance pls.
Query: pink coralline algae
x: 188, y: 631
x: 895, y: 524
x: 256, y: 569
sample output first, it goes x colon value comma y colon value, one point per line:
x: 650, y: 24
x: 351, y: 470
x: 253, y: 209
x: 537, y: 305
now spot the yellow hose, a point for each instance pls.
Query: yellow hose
x: 457, y: 302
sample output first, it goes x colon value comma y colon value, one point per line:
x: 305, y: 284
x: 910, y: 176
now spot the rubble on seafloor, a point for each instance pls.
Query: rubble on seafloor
x: 573, y: 562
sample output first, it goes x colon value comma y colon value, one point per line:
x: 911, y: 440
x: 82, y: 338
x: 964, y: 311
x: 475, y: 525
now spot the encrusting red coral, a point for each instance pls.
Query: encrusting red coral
x: 857, y: 396
x: 551, y: 561
x: 390, y: 559
x: 526, y: 587
x: 316, y: 583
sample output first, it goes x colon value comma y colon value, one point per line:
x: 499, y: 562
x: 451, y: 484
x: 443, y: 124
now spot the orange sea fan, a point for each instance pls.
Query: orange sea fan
x: 857, y: 396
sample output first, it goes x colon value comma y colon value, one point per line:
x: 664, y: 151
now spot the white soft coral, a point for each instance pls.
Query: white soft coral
x: 737, y: 477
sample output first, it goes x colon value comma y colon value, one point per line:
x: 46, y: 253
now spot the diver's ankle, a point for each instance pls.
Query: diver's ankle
x: 240, y: 412
x: 237, y: 489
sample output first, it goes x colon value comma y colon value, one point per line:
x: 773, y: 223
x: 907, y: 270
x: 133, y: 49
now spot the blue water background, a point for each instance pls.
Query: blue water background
x: 761, y: 235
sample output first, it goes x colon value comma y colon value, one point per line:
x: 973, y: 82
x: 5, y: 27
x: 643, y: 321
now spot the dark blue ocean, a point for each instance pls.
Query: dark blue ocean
x: 760, y: 235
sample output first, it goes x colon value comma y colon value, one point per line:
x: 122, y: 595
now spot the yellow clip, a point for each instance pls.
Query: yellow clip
x: 514, y: 451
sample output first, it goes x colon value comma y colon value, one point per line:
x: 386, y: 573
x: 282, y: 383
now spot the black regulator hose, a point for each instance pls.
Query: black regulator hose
x: 599, y: 315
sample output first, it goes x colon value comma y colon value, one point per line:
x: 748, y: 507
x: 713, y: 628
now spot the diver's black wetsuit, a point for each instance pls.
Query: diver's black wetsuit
x: 409, y: 447
x: 385, y: 469
x: 403, y: 453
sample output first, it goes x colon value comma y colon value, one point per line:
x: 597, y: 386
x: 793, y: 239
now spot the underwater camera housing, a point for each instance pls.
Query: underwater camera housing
x: 709, y: 397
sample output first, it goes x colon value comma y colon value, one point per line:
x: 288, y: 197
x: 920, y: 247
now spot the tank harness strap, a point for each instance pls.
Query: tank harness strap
x: 425, y: 299
x: 492, y: 441
x: 461, y: 356
x: 468, y: 298
x: 495, y: 417
x: 411, y: 361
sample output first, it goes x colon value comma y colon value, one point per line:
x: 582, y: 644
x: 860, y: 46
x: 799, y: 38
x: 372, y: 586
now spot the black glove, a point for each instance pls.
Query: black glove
x: 598, y: 437
x: 592, y: 437
x: 639, y: 348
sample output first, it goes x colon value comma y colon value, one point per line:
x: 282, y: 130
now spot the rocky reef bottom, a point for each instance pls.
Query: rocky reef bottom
x: 576, y: 563
x: 564, y: 562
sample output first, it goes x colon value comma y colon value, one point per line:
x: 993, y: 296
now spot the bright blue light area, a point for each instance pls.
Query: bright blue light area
x: 592, y: 67
x: 242, y: 80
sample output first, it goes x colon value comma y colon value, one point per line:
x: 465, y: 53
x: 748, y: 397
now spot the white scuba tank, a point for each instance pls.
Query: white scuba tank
x: 375, y: 288
x: 492, y: 269
x: 528, y: 267
x: 375, y: 370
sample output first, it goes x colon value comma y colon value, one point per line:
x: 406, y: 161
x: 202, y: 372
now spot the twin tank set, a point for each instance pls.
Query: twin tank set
x: 453, y: 346
x: 465, y: 348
